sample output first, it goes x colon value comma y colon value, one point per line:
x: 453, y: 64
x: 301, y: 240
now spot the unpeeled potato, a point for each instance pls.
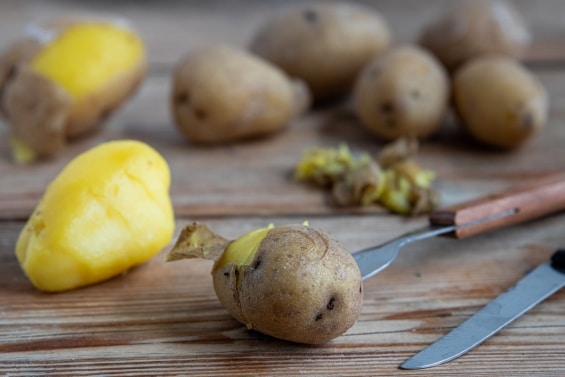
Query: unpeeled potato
x: 326, y: 44
x: 402, y: 93
x: 222, y: 94
x: 472, y: 28
x: 292, y: 282
x: 500, y: 103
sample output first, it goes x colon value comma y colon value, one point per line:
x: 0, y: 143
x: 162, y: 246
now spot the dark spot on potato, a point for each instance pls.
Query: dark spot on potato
x: 387, y: 108
x: 182, y: 98
x: 310, y: 15
x: 200, y: 113
x: 226, y: 273
x: 11, y: 73
x: 319, y: 316
x: 257, y: 264
x: 360, y: 289
x: 331, y: 304
x: 236, y: 272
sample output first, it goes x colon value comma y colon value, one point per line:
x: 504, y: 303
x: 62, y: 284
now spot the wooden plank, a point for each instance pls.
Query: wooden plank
x: 163, y: 318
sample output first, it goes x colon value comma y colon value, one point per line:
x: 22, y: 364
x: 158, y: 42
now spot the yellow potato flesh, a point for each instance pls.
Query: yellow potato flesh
x: 85, y: 57
x: 107, y: 211
x: 242, y: 251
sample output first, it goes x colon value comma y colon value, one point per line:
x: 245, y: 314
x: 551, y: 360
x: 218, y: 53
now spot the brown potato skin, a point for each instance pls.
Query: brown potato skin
x: 91, y: 111
x: 302, y: 286
x: 324, y: 44
x: 221, y: 94
x: 18, y: 53
x: 403, y: 93
x: 499, y: 102
x: 473, y: 28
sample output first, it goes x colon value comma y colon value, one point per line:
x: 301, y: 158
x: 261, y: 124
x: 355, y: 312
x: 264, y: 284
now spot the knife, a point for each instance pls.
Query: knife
x: 535, y: 287
x: 515, y: 205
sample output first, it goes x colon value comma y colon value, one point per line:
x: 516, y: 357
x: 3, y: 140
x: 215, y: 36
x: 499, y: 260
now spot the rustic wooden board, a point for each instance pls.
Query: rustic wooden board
x: 164, y: 319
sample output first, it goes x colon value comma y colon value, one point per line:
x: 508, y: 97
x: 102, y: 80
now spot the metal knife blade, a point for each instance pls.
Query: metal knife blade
x: 535, y: 287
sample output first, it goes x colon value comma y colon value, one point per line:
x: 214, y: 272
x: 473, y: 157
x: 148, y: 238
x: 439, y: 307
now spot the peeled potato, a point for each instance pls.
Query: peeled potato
x: 324, y: 44
x: 221, y: 94
x: 107, y: 211
x: 500, y: 103
x: 403, y: 93
x: 63, y: 82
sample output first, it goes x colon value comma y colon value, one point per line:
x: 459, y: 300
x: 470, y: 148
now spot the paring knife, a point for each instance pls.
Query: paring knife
x: 519, y: 204
x: 531, y: 290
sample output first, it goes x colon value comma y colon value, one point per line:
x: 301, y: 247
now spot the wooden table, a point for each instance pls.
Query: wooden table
x: 164, y: 319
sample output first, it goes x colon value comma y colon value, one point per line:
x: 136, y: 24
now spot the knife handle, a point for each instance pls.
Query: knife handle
x: 516, y: 205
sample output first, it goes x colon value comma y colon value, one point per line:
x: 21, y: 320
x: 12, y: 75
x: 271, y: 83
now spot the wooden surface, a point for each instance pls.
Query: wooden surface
x: 164, y: 319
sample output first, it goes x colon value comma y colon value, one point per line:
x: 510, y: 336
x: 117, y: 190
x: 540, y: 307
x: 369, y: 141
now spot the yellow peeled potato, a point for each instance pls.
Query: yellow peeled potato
x: 221, y: 94
x: 499, y: 102
x: 108, y: 210
x: 325, y: 44
x: 403, y: 93
x: 65, y: 80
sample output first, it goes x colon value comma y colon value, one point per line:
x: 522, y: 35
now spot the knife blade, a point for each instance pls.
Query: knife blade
x: 535, y: 287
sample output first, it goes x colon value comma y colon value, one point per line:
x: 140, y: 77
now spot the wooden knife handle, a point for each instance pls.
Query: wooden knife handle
x: 521, y: 203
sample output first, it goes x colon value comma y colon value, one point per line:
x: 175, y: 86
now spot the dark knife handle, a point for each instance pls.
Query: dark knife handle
x: 520, y: 203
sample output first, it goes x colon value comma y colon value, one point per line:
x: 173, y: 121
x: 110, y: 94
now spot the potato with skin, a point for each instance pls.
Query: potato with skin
x: 403, y: 93
x: 472, y: 28
x: 499, y: 102
x: 221, y: 94
x: 324, y: 44
x: 64, y: 80
x: 292, y: 282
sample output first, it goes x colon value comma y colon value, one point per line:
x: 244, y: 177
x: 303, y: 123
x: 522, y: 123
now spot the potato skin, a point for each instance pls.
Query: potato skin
x: 499, y: 102
x: 18, y: 53
x: 324, y: 44
x: 221, y: 94
x: 302, y: 286
x: 473, y: 28
x: 403, y: 93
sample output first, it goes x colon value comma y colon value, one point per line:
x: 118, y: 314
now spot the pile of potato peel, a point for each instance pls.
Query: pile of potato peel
x: 393, y: 179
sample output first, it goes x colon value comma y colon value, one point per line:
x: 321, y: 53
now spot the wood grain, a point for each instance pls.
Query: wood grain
x: 163, y: 319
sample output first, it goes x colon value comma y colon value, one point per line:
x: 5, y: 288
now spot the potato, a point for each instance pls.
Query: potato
x: 221, y: 94
x: 292, y: 282
x: 499, y: 102
x: 107, y: 211
x: 472, y: 28
x: 403, y: 93
x: 64, y: 80
x: 324, y: 44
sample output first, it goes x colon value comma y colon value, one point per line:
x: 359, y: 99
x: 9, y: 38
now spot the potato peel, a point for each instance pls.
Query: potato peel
x: 392, y: 179
x: 197, y: 241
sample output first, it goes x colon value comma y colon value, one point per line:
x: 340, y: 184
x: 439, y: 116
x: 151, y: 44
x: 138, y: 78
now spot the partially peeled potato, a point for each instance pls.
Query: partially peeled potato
x: 64, y: 79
